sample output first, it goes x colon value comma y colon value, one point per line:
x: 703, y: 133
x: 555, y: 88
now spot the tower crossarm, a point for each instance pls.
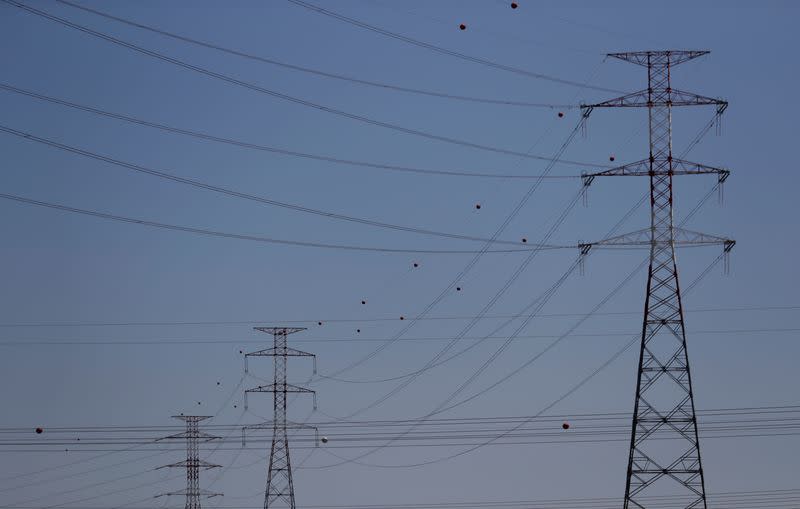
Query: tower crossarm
x: 199, y: 436
x: 201, y: 464
x: 280, y: 349
x: 658, y: 97
x: 201, y: 493
x: 272, y: 352
x: 648, y: 58
x: 644, y: 238
x: 279, y: 388
x: 284, y: 331
x: 645, y: 168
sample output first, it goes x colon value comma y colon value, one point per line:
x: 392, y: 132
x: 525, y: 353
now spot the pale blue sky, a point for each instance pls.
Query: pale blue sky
x: 68, y: 269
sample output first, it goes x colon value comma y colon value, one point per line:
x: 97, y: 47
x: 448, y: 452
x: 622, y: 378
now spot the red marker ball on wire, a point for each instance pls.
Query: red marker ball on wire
x: 462, y: 26
x: 560, y: 114
x: 514, y: 5
x: 565, y: 425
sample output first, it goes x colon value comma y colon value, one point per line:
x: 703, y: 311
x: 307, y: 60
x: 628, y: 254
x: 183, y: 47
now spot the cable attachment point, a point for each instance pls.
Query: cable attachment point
x: 718, y: 118
x: 585, y: 111
x: 723, y: 176
x: 726, y: 256
x: 584, y: 248
x: 587, y: 180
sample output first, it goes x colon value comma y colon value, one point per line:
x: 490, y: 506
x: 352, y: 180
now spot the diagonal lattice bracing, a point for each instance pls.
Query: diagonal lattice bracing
x: 664, y: 457
x: 279, y: 492
x: 193, y: 464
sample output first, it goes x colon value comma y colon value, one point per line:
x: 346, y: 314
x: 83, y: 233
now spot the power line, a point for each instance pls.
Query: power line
x: 472, y: 442
x: 752, y: 498
x: 264, y: 148
x: 445, y: 51
x: 435, y: 362
x: 160, y: 429
x: 220, y: 341
x: 386, y: 319
x: 574, y: 388
x: 474, y: 260
x: 251, y: 197
x: 280, y: 95
x: 239, y: 236
x: 317, y: 72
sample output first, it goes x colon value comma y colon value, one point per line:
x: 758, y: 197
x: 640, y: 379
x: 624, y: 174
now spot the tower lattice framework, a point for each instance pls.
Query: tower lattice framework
x: 664, y: 458
x: 279, y: 492
x: 193, y: 464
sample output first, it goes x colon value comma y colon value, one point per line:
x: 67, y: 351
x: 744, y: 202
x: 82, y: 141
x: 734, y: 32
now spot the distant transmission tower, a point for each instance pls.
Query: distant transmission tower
x: 665, y: 450
x: 280, y: 488
x: 193, y: 464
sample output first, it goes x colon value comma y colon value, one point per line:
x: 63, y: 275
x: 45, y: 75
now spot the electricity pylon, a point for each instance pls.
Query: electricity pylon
x: 193, y: 464
x: 664, y: 448
x: 279, y: 491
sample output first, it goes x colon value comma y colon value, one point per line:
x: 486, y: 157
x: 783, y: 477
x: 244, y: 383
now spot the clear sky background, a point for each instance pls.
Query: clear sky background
x: 100, y: 319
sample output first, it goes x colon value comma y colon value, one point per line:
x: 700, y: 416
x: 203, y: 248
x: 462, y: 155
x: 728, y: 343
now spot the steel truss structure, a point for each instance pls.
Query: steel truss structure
x: 193, y: 464
x: 664, y: 453
x: 279, y: 491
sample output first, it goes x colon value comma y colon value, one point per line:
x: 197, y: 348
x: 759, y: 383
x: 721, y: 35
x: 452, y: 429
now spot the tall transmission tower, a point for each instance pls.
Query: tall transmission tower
x: 279, y: 491
x: 664, y: 406
x: 193, y: 464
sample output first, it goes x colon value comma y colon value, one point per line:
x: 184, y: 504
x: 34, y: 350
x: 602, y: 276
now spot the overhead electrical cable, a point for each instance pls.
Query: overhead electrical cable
x: 471, y: 264
x: 253, y: 238
x: 251, y: 197
x: 136, y: 448
x: 723, y: 309
x: 317, y: 72
x: 220, y: 341
x: 528, y: 313
x: 280, y: 95
x: 751, y: 499
x: 264, y: 148
x: 570, y: 331
x: 445, y: 51
x: 717, y: 415
x: 574, y: 388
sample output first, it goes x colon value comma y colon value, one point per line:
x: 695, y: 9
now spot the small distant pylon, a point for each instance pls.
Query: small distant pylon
x: 279, y: 491
x: 193, y: 464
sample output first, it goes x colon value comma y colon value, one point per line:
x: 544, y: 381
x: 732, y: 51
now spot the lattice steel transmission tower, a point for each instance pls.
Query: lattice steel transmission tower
x: 665, y: 450
x: 193, y: 464
x: 279, y: 491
